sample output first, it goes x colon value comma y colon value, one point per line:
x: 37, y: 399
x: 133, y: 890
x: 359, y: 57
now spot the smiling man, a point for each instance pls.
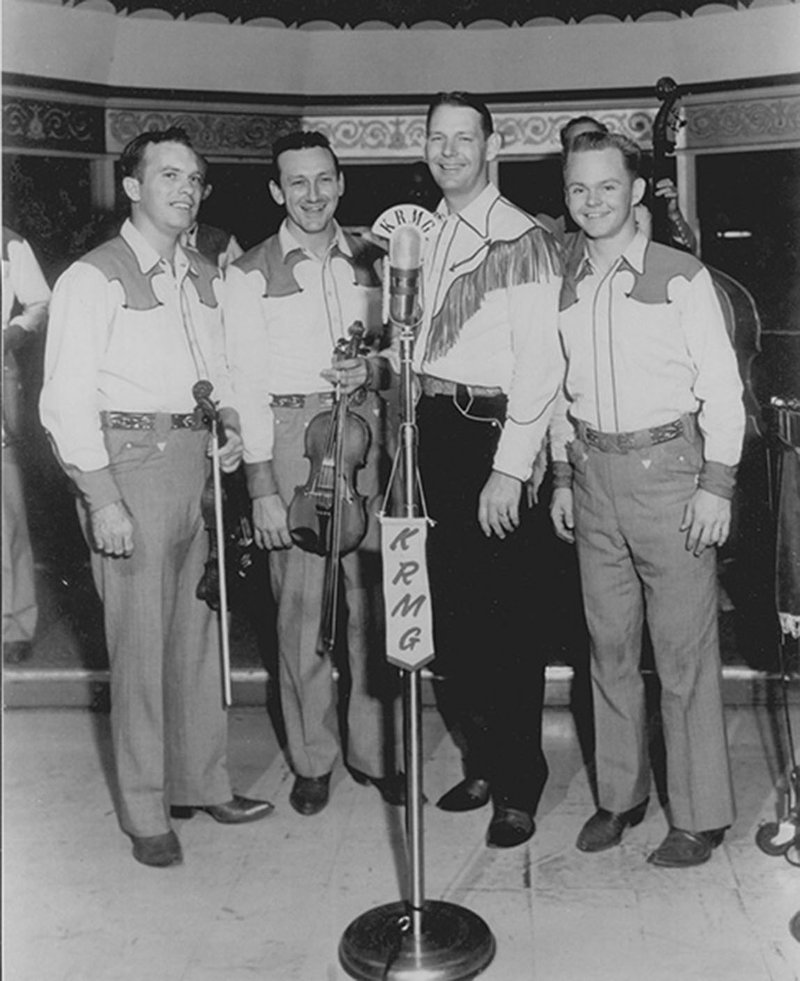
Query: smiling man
x: 133, y: 326
x: 645, y: 445
x: 289, y: 302
x: 489, y: 366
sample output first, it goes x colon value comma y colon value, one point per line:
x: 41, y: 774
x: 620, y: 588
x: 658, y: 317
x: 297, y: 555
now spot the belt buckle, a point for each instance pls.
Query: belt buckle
x: 625, y: 442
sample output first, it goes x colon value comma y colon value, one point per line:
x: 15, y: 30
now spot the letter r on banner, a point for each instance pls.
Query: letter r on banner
x: 406, y: 592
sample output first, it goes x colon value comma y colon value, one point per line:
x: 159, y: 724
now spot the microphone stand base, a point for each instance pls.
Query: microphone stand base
x: 453, y: 944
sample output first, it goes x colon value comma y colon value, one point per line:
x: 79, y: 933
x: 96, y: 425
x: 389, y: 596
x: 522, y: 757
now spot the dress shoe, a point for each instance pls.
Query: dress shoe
x: 509, y: 827
x: 392, y: 788
x: 310, y: 794
x: 469, y: 795
x: 158, y: 850
x: 683, y: 848
x: 238, y: 810
x: 604, y: 828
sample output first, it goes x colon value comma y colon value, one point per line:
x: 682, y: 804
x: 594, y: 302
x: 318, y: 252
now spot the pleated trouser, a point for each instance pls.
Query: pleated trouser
x: 634, y: 566
x: 169, y: 726
x: 364, y: 727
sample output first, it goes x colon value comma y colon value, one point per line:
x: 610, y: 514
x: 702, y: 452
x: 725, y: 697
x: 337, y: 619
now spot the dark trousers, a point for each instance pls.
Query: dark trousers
x: 483, y: 603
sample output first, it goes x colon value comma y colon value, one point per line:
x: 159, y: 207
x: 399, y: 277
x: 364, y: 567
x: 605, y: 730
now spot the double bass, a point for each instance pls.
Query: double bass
x: 738, y: 306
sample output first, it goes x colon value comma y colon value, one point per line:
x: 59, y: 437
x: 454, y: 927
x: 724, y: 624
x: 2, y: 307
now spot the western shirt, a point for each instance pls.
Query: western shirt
x: 285, y: 310
x: 491, y: 280
x: 128, y: 332
x: 646, y: 343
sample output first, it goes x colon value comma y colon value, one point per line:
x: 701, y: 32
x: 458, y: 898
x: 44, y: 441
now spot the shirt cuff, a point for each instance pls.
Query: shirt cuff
x: 718, y: 478
x: 261, y: 480
x: 98, y: 487
x: 562, y: 474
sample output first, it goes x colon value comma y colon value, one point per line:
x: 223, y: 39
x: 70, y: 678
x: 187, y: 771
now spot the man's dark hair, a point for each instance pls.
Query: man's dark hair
x: 300, y: 140
x: 133, y: 155
x: 630, y: 151
x: 461, y: 99
x: 566, y: 129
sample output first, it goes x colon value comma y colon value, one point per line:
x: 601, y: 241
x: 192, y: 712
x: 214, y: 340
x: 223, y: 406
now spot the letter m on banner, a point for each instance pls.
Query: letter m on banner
x: 406, y: 592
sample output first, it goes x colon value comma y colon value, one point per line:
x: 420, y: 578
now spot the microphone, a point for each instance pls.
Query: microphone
x: 405, y: 258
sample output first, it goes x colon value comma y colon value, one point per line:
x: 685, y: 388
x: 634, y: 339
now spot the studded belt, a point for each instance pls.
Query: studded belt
x: 147, y: 420
x: 636, y: 440
x: 298, y: 401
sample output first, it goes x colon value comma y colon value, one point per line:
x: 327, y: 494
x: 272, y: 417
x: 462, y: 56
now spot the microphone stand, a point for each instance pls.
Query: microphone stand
x: 417, y: 939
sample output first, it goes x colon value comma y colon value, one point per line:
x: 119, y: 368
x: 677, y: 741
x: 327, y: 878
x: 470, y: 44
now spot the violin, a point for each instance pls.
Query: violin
x: 327, y: 516
x: 237, y: 531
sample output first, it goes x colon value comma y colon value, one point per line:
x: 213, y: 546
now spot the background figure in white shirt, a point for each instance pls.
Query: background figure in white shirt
x: 645, y: 444
x: 135, y: 324
x: 26, y: 296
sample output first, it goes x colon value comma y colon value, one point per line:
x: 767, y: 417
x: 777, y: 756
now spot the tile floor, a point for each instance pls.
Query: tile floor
x: 271, y: 900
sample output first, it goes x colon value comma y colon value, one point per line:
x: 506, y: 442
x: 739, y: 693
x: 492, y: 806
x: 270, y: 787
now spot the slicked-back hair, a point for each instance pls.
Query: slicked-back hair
x: 461, y: 99
x: 566, y: 129
x: 132, y: 159
x: 631, y: 154
x: 300, y: 140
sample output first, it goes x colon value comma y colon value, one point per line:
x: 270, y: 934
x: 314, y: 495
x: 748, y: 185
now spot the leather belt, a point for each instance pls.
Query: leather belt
x: 636, y: 440
x: 147, y: 420
x: 298, y: 401
x: 431, y: 385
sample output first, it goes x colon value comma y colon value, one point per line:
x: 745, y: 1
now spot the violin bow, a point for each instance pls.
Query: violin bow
x: 202, y: 395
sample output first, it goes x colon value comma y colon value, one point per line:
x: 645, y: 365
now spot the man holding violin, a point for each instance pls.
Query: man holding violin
x: 289, y: 304
x: 134, y: 326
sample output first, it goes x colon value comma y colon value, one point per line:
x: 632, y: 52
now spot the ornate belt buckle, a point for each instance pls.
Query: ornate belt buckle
x: 625, y: 442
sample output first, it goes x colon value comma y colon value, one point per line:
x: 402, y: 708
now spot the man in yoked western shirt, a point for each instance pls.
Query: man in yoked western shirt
x: 288, y: 303
x: 134, y: 325
x: 645, y: 444
x: 489, y: 366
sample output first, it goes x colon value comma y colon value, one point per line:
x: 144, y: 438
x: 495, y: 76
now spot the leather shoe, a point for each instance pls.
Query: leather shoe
x: 158, y: 851
x: 604, y: 828
x: 683, y: 848
x: 238, y: 810
x: 469, y: 795
x: 310, y: 794
x: 392, y: 788
x: 509, y: 827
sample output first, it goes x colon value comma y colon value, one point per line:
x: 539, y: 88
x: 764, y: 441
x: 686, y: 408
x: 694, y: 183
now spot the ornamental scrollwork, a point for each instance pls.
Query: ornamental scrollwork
x: 242, y: 134
x: 50, y: 125
x: 751, y: 121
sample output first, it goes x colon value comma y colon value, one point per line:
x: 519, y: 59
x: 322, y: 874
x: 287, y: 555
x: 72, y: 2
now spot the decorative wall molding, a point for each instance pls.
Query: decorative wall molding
x: 402, y: 136
x: 213, y: 134
x: 736, y: 122
x: 51, y: 125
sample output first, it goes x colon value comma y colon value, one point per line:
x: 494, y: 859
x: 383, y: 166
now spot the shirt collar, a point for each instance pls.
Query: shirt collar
x: 476, y: 213
x: 147, y: 257
x: 289, y: 244
x: 632, y: 257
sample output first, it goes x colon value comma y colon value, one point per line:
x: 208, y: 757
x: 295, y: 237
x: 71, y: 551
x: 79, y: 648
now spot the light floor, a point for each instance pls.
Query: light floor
x: 270, y: 900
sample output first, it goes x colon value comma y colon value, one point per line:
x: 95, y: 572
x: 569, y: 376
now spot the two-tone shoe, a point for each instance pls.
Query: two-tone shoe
x: 237, y: 810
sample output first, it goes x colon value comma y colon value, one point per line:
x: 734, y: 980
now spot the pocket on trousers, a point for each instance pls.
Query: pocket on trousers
x: 679, y: 457
x: 130, y: 450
